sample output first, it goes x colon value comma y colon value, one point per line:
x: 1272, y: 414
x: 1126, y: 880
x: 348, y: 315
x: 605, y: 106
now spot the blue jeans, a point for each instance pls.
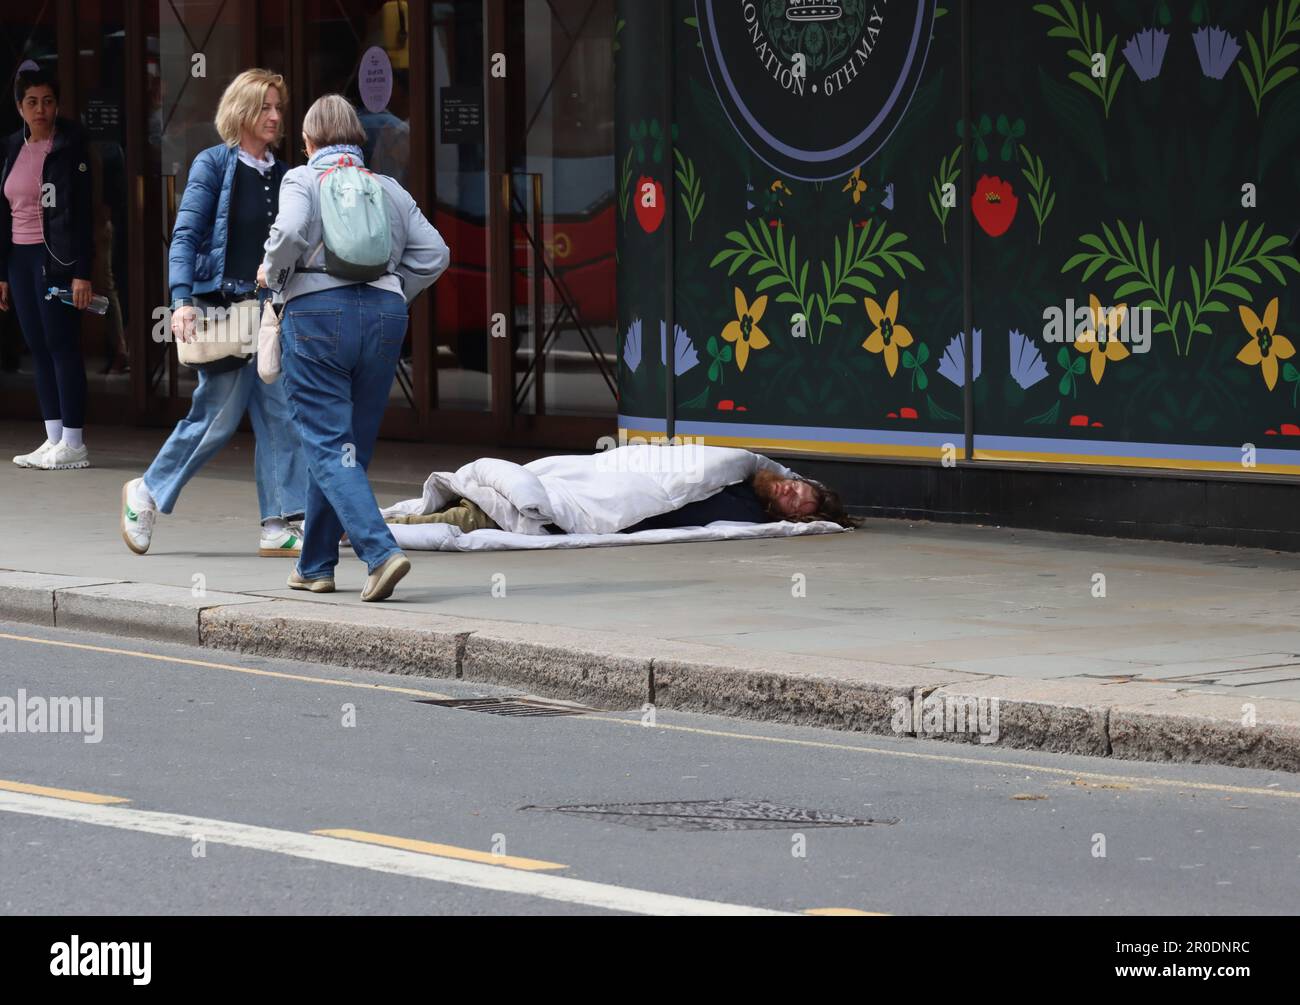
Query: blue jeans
x: 216, y: 409
x: 339, y: 350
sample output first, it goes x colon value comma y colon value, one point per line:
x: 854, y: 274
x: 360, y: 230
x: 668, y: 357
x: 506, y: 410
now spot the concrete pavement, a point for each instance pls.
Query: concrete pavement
x: 1089, y: 645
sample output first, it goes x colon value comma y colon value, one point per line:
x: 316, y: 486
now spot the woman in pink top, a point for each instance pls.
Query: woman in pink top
x: 46, y: 240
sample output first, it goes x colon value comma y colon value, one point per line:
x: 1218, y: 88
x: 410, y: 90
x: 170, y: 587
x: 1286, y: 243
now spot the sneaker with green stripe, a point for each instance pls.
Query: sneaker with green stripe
x: 285, y: 542
x: 137, y: 521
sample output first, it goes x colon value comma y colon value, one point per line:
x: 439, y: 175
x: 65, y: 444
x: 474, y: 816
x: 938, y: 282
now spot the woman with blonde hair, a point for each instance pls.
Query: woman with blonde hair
x: 230, y: 201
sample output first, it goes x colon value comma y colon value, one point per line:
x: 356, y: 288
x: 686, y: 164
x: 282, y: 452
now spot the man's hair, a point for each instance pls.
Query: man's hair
x: 28, y: 79
x: 829, y: 504
x: 830, y: 507
x: 241, y: 104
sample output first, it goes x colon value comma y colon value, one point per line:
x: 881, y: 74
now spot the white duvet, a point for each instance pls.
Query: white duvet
x: 589, y: 497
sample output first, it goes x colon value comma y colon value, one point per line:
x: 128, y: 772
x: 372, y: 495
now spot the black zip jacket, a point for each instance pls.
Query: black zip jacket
x: 69, y: 241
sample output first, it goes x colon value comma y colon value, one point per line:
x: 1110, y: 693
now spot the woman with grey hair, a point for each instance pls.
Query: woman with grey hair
x: 342, y: 329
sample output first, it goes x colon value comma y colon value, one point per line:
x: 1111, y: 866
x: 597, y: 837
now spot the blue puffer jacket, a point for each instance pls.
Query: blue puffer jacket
x: 198, y: 249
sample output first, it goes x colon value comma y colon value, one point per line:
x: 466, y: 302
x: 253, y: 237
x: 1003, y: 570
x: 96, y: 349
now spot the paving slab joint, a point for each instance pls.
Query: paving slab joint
x: 919, y: 695
x: 462, y: 638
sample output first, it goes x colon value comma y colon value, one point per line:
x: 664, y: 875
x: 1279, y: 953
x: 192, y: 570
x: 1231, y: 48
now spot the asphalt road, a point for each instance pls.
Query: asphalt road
x: 226, y: 769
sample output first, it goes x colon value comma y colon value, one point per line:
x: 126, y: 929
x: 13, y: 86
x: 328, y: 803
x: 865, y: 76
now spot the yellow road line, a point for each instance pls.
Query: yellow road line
x: 1240, y: 790
x: 843, y: 912
x: 226, y: 666
x: 442, y: 850
x: 72, y: 795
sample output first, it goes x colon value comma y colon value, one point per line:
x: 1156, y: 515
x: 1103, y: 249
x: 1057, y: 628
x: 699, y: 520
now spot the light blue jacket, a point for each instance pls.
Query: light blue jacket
x: 419, y: 254
x: 197, y: 259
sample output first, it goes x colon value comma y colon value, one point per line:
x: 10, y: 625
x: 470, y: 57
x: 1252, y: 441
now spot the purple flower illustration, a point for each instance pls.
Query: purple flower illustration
x: 1216, y: 50
x: 684, y: 355
x: 632, y: 345
x: 888, y: 201
x: 1145, y: 52
x: 1027, y: 366
x: 953, y: 364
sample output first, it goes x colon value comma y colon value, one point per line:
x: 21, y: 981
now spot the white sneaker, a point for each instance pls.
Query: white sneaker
x: 62, y: 457
x: 33, y: 460
x: 137, y: 525
x: 281, y: 543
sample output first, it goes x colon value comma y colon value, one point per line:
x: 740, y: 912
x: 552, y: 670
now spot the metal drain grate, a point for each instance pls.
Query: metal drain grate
x: 712, y: 815
x: 509, y: 706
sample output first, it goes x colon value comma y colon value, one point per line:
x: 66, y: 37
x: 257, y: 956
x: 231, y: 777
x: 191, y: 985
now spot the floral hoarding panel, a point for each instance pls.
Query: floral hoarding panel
x: 1133, y: 191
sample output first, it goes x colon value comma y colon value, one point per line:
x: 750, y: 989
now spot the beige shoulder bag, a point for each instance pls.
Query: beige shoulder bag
x: 222, y: 335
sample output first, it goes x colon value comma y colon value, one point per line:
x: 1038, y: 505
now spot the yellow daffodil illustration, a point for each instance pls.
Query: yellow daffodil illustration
x: 1100, y: 340
x: 1266, y: 346
x: 856, y: 184
x: 744, y: 331
x: 889, y: 336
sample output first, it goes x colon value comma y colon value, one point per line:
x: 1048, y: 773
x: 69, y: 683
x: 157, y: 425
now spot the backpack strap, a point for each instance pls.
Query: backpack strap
x: 320, y: 249
x: 344, y: 161
x: 326, y: 272
x: 320, y: 271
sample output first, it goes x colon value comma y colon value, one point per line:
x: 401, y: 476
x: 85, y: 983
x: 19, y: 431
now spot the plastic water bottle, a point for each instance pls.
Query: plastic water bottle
x: 98, y: 302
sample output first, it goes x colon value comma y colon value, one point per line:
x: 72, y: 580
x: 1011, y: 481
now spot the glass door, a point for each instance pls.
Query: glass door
x: 460, y: 318
x: 520, y: 100
x: 560, y: 116
x: 192, y: 50
x: 101, y: 106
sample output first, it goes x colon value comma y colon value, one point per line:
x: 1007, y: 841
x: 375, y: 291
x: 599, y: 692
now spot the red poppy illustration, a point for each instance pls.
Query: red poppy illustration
x: 994, y: 205
x: 1290, y: 429
x: 649, y: 204
x: 1078, y: 420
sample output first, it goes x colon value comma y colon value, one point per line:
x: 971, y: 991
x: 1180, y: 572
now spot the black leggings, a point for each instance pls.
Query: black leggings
x: 53, y: 333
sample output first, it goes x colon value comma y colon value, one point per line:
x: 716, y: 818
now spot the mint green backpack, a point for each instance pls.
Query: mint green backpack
x: 354, y: 223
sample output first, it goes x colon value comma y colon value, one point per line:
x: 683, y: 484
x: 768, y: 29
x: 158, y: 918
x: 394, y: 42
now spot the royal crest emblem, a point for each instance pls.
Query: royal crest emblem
x: 815, y: 88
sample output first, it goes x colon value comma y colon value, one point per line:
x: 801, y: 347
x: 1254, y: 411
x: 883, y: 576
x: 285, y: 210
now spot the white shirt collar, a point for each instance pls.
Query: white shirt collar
x: 262, y: 166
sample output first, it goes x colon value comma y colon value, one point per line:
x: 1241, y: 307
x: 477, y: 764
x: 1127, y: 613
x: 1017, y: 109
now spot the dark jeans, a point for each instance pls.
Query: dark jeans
x: 53, y: 333
x: 339, y: 351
